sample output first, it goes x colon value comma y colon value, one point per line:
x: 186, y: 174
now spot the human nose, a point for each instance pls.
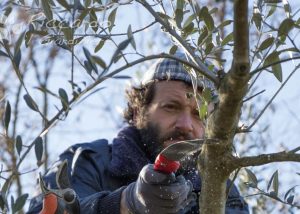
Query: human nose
x: 184, y: 123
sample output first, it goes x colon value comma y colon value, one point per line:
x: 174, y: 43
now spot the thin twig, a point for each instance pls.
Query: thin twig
x: 272, y: 64
x: 271, y: 100
x: 107, y: 36
x: 249, y: 98
x: 205, y: 71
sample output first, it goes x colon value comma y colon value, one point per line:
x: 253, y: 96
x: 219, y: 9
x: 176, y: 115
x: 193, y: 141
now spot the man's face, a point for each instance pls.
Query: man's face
x: 172, y: 116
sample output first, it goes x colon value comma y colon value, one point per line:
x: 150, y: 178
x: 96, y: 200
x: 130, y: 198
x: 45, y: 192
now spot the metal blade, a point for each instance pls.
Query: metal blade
x: 179, y: 150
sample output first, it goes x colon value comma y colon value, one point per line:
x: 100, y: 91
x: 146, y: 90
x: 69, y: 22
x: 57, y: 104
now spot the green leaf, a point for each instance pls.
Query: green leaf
x: 7, y: 11
x: 209, y: 48
x: 2, y: 202
x: 276, y: 69
x: 20, y: 202
x: 93, y: 20
x: 271, y: 11
x: 276, y: 182
x: 99, y: 46
x: 89, y: 58
x: 28, y: 37
x: 256, y: 18
x: 287, y: 8
x: 88, y: 67
x: 19, y: 144
x: 47, y: 9
x: 112, y: 18
x: 289, y: 192
x: 251, y: 177
x: 178, y: 17
x: 285, y: 27
x: 173, y: 50
x: 38, y: 148
x: 81, y: 17
x: 266, y: 43
x: 76, y: 41
x: 120, y: 48
x: 87, y: 3
x: 271, y: 179
x: 207, y: 95
x: 207, y: 18
x: 273, y: 1
x: 64, y: 98
x: 12, y: 202
x: 121, y: 77
x: 68, y: 34
x: 189, y: 20
x: 225, y: 23
x: 19, y: 42
x: 227, y: 39
x: 290, y: 199
x: 30, y: 103
x: 99, y: 61
x: 130, y: 36
x: 17, y: 58
x: 203, y: 111
x: 7, y: 116
x: 64, y: 3
x: 203, y: 35
x: 3, y: 54
x: 188, y: 29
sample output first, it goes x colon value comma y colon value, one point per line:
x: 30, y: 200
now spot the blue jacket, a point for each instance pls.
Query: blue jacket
x: 99, y: 172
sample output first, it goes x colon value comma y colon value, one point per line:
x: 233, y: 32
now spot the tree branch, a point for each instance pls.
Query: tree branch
x: 241, y: 32
x: 271, y: 100
x: 272, y: 64
x: 116, y: 34
x: 185, y: 46
x: 267, y: 158
x: 223, y: 122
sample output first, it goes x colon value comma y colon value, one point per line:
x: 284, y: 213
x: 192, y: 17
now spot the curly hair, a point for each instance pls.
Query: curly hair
x: 138, y: 99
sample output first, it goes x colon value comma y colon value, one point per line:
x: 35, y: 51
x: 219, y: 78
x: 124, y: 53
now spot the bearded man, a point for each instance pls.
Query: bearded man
x: 118, y: 177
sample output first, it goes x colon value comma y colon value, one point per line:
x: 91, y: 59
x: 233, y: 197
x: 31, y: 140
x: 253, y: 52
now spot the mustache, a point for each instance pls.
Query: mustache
x: 177, y: 136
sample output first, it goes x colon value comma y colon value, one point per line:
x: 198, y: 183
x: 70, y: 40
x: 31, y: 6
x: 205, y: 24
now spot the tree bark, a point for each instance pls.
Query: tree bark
x: 216, y: 161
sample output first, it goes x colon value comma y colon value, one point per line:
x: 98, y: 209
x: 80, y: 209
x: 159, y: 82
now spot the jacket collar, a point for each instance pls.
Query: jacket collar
x: 127, y: 156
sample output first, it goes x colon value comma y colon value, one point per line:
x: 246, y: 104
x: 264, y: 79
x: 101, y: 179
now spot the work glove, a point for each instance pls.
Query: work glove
x: 155, y: 192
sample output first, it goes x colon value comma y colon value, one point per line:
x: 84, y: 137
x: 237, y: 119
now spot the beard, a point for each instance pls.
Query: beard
x: 153, y: 139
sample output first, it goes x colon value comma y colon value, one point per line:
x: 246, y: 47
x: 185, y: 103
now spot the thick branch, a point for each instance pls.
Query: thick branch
x: 267, y: 158
x: 241, y: 32
x: 233, y: 87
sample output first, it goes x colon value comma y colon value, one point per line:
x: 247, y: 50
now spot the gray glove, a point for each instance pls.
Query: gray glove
x: 155, y: 192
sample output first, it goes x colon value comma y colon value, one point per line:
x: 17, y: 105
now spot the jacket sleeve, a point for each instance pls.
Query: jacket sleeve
x: 85, y: 173
x: 235, y: 203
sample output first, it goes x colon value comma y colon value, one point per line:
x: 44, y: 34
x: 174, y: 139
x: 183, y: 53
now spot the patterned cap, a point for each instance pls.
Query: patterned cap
x: 170, y: 69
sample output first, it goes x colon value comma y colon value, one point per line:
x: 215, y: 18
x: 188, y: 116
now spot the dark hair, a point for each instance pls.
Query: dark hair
x: 138, y: 99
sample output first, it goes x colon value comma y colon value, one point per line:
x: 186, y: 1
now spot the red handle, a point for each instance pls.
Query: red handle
x: 165, y: 165
x: 50, y: 204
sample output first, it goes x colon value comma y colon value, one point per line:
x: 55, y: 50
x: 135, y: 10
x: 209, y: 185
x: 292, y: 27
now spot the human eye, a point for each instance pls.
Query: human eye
x: 170, y: 107
x: 196, y: 114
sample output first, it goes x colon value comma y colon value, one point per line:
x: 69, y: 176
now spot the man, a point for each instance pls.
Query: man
x: 119, y: 177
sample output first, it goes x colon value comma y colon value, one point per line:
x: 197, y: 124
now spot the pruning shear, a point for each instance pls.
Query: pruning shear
x: 168, y: 160
x: 62, y: 200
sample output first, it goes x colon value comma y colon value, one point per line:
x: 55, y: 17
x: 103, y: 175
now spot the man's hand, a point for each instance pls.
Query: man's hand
x: 155, y: 192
